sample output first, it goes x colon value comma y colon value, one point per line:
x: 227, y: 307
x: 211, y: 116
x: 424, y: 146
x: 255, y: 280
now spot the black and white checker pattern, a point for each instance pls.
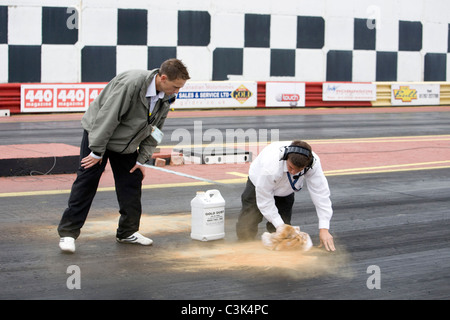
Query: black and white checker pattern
x: 42, y: 44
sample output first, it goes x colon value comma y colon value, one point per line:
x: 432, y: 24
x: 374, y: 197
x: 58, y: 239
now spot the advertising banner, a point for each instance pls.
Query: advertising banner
x: 285, y: 94
x: 415, y: 94
x: 58, y: 97
x: 217, y: 94
x: 333, y: 91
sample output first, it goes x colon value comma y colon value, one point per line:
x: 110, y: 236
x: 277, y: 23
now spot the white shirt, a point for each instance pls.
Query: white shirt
x: 152, y: 96
x: 269, y: 176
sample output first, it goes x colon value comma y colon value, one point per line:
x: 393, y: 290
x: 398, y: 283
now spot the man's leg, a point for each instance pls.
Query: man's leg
x: 250, y: 216
x: 128, y: 191
x: 82, y: 194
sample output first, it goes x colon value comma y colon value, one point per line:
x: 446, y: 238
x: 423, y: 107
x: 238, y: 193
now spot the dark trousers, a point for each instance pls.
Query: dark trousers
x: 128, y: 190
x: 250, y: 216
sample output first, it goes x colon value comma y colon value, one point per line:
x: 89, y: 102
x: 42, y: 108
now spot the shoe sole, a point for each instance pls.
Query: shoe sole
x: 132, y: 242
x: 67, y: 250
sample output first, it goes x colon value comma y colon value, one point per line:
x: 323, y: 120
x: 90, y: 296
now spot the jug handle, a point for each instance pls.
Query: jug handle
x: 212, y: 193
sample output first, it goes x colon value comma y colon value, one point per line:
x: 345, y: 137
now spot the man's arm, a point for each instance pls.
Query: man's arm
x: 264, y: 189
x: 319, y: 191
x: 115, y: 104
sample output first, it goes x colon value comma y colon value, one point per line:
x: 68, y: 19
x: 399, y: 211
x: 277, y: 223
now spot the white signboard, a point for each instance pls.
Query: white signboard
x: 215, y: 94
x: 58, y: 97
x: 285, y: 94
x: 332, y: 91
x: 415, y: 94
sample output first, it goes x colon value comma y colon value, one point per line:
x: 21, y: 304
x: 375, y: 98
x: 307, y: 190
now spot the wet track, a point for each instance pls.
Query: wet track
x: 396, y: 220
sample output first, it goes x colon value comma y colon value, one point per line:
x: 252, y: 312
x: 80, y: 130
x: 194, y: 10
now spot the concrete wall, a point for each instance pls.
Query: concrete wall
x: 303, y: 40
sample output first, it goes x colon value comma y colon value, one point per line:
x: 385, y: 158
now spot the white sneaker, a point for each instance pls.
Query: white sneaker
x: 136, y: 238
x: 67, y: 244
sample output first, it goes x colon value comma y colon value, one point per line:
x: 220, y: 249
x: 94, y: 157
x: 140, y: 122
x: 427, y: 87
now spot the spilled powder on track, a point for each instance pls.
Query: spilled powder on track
x: 252, y: 255
x: 150, y: 225
x: 174, y: 247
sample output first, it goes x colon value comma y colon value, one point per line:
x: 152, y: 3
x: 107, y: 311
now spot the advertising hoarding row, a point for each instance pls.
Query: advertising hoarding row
x: 293, y: 94
x: 78, y: 97
x: 58, y: 97
x: 228, y: 94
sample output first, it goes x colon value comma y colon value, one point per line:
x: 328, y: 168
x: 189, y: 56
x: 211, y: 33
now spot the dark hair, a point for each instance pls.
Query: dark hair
x: 174, y: 69
x: 300, y: 160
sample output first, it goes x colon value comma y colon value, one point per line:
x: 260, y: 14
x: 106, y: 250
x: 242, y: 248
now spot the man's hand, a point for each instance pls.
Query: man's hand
x: 138, y: 166
x: 326, y: 239
x: 89, y: 161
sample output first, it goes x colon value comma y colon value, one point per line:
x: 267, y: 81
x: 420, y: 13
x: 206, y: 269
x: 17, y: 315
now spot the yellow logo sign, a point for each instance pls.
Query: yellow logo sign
x: 405, y: 93
x: 242, y: 94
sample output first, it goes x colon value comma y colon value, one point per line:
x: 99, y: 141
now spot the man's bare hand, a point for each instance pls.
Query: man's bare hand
x: 88, y: 162
x: 326, y: 240
x: 142, y: 168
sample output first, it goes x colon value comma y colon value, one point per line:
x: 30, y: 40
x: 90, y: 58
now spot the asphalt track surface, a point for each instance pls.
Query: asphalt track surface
x: 388, y: 171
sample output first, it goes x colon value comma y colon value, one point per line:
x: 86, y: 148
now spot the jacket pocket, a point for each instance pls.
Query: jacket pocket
x: 133, y: 144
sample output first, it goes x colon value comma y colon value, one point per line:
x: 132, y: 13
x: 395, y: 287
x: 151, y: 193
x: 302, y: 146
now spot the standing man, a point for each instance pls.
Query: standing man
x: 274, y: 176
x: 121, y: 125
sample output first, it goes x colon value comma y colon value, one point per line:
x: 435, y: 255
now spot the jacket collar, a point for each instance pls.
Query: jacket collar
x: 148, y: 80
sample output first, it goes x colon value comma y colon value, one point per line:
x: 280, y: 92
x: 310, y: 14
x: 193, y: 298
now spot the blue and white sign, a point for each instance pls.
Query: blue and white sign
x: 335, y: 91
x: 215, y: 94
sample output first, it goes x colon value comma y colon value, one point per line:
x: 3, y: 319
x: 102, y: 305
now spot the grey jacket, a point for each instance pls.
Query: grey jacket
x: 118, y: 119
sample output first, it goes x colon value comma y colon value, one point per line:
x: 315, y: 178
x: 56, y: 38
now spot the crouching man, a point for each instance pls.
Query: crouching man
x: 275, y: 175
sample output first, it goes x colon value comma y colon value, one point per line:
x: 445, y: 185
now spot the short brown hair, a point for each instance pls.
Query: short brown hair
x: 300, y: 160
x: 174, y: 69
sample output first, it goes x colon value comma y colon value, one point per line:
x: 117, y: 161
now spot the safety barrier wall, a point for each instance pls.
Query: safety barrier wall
x: 313, y: 97
x: 384, y: 92
x: 445, y: 93
x: 10, y: 95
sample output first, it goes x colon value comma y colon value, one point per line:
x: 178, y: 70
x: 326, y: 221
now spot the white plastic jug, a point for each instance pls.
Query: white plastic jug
x: 208, y: 216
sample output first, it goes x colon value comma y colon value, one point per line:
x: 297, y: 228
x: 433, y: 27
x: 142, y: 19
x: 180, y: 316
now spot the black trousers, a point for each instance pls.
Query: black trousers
x: 128, y: 190
x: 250, y: 216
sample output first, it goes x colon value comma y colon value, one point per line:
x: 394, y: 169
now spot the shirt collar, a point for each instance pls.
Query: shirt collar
x: 285, y: 169
x: 151, y: 90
